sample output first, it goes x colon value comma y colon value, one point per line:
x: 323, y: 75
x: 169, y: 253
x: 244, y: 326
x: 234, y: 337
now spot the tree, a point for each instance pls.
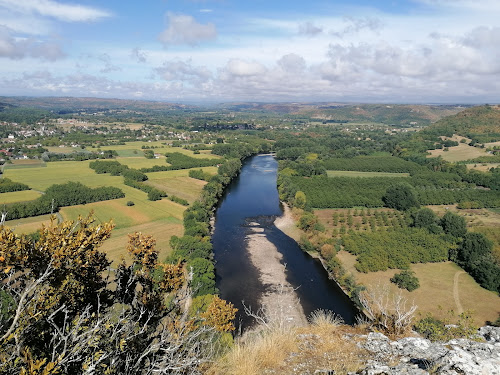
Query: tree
x: 62, y: 310
x: 426, y: 218
x: 401, y: 197
x: 300, y: 199
x: 406, y: 279
x: 453, y: 224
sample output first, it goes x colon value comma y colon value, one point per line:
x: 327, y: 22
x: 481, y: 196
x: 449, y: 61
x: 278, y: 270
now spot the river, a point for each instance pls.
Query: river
x: 251, y: 201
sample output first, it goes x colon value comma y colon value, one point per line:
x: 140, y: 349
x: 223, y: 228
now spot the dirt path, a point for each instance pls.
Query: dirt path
x: 455, y: 292
x: 280, y: 302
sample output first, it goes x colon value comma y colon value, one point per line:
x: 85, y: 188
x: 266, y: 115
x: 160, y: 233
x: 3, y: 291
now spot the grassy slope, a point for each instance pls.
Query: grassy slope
x: 476, y: 120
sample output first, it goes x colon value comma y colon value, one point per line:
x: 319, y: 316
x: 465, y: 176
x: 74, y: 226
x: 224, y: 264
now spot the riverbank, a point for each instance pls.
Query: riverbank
x: 279, y: 303
x: 286, y: 223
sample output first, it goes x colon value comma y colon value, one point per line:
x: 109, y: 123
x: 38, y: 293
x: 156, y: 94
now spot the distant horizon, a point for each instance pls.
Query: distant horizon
x: 199, y: 51
x: 219, y: 103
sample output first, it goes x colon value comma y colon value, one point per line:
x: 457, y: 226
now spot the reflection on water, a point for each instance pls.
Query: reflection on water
x: 251, y: 201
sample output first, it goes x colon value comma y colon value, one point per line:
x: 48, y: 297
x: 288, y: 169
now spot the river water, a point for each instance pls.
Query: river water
x: 253, y: 198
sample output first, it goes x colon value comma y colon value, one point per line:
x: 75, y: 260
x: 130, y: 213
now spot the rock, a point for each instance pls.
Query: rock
x: 418, y: 356
x: 490, y: 334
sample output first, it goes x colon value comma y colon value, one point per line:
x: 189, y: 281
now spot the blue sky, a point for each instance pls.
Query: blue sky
x: 417, y: 51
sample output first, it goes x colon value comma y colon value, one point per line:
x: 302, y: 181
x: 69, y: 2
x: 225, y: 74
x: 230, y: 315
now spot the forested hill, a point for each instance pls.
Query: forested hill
x: 481, y: 123
x: 396, y: 114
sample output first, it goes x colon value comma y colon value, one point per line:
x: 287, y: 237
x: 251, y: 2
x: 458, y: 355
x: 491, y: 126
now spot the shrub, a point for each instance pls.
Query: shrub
x: 406, y: 279
x: 130, y: 203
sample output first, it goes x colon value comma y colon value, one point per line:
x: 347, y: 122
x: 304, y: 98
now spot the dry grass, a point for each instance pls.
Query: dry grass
x: 484, y: 167
x: 435, y: 294
x: 257, y: 354
x: 461, y: 152
x: 323, y: 345
x: 115, y: 247
x: 28, y: 225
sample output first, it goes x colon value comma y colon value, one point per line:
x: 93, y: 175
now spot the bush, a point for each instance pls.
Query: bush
x: 130, y: 203
x: 154, y: 195
x: 401, y: 197
x: 406, y: 279
x: 441, y: 330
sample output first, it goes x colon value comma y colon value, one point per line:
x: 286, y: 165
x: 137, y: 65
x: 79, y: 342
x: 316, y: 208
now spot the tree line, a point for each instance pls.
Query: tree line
x: 62, y: 195
x: 7, y: 185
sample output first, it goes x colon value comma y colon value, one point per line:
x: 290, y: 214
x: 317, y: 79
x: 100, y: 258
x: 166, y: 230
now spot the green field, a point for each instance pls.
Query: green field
x: 18, y: 196
x: 17, y: 164
x: 162, y: 218
x: 179, y: 183
x: 160, y: 148
x: 364, y: 174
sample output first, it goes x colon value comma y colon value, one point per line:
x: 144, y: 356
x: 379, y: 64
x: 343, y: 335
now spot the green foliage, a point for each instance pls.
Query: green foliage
x: 203, y: 272
x: 154, y: 195
x: 401, y: 197
x: 324, y: 192
x: 372, y: 164
x: 130, y: 203
x: 453, y: 224
x: 7, y: 185
x: 426, y: 218
x: 300, y: 199
x: 380, y: 250
x: 474, y: 255
x: 149, y: 154
x: 199, y: 174
x: 441, y: 330
x: 178, y: 160
x: 61, y: 195
x: 406, y: 279
x: 176, y: 199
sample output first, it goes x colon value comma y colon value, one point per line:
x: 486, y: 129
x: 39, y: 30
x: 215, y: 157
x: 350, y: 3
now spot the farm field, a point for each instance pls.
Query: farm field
x: 161, y: 219
x: 29, y: 224
x: 61, y: 172
x: 365, y: 174
x: 159, y: 148
x: 179, y: 183
x: 438, y: 282
x: 457, y: 153
x: 484, y: 167
x: 18, y: 196
x: 25, y: 162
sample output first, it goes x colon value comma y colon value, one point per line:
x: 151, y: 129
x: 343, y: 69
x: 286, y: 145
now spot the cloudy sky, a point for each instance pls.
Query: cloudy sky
x: 274, y: 50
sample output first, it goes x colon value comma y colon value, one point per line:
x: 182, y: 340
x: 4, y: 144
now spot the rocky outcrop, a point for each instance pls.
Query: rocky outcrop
x: 418, y: 356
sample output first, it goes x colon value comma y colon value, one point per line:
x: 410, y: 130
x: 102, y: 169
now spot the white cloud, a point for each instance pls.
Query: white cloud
x: 177, y: 70
x: 19, y: 48
x: 310, y: 29
x: 183, y: 29
x: 54, y: 9
x: 292, y: 63
x: 242, y: 68
x: 138, y: 55
x: 108, y: 65
x: 355, y: 25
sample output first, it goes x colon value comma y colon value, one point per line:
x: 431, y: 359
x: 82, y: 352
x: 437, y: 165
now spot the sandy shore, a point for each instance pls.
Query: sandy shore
x: 280, y: 302
x: 286, y: 223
